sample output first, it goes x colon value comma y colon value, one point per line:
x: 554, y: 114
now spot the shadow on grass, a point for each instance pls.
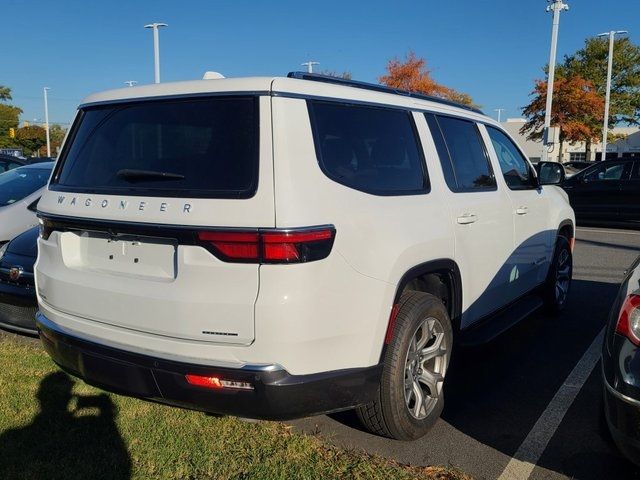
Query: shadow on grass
x: 66, y: 440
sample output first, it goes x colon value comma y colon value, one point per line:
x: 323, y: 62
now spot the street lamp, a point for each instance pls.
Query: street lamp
x: 499, y: 110
x: 46, y: 119
x: 131, y: 83
x: 605, y: 128
x: 556, y: 7
x: 310, y: 65
x: 156, y: 48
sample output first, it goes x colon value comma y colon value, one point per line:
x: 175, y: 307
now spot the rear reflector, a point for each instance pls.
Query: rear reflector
x: 392, y: 323
x: 216, y: 382
x: 237, y: 245
x: 270, y: 246
x: 629, y: 319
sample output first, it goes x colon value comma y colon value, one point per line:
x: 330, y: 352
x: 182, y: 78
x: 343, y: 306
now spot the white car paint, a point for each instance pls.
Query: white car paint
x: 312, y: 317
x: 16, y: 217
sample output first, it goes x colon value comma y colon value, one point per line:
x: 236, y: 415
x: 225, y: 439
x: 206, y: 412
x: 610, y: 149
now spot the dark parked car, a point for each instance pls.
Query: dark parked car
x: 606, y: 193
x: 9, y: 162
x: 18, y: 304
x: 573, y: 167
x: 621, y: 366
x: 40, y: 159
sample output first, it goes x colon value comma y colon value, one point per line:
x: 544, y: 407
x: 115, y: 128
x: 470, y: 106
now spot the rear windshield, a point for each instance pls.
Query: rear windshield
x: 202, y: 147
x: 20, y: 183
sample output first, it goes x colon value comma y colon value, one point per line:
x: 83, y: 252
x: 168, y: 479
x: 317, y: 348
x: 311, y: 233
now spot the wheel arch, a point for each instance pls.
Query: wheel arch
x: 448, y: 272
x: 567, y: 229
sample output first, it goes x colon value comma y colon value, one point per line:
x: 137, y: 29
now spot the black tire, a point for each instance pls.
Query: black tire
x: 561, y: 268
x: 389, y: 414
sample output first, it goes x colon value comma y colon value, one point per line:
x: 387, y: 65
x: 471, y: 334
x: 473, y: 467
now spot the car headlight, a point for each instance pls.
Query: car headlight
x: 3, y: 249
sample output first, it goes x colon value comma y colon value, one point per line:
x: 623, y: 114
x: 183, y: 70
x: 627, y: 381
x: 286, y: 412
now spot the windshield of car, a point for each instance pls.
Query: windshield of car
x: 19, y: 183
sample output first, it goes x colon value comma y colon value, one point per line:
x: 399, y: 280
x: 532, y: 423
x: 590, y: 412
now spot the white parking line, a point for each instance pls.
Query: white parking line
x: 603, y: 230
x: 532, y: 448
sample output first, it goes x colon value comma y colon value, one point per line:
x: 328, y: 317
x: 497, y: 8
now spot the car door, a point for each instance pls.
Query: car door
x: 630, y: 196
x: 595, y: 193
x: 480, y: 213
x: 533, y: 237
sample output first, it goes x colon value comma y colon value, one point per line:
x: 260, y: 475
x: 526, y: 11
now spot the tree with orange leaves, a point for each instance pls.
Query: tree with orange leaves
x: 413, y: 76
x: 577, y: 110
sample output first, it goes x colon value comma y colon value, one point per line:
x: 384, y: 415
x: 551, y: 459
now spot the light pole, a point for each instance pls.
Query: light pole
x: 46, y: 119
x: 131, y: 83
x: 556, y: 7
x: 605, y: 128
x: 499, y: 110
x: 310, y: 65
x: 156, y: 48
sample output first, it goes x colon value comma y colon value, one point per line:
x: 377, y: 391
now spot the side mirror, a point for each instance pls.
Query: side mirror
x: 551, y: 173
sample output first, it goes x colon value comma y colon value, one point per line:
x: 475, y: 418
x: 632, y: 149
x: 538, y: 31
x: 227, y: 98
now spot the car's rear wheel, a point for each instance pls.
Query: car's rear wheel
x: 410, y: 398
x: 558, y: 283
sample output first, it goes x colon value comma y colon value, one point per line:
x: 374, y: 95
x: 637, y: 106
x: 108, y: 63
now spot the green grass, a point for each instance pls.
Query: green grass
x: 54, y: 426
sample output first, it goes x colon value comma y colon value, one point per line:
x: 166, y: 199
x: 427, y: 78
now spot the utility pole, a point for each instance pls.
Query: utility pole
x: 46, y: 119
x: 156, y: 48
x: 605, y: 128
x: 131, y: 83
x: 499, y: 110
x: 310, y: 65
x: 556, y: 7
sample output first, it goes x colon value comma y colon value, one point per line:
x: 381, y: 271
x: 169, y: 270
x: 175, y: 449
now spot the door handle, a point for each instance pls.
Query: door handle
x: 467, y: 218
x: 522, y: 210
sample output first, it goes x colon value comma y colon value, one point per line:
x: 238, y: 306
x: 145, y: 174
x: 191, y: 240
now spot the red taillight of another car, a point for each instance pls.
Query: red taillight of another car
x: 629, y: 319
x: 270, y: 246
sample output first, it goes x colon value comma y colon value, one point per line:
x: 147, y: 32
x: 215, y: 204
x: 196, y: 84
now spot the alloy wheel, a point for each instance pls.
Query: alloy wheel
x: 563, y: 276
x: 425, y: 367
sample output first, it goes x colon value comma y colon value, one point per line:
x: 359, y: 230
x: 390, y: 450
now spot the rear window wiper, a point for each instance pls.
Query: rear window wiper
x: 133, y: 175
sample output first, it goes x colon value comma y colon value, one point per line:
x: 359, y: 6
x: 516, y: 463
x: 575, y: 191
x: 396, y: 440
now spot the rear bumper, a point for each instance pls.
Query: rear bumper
x: 623, y: 420
x: 276, y: 394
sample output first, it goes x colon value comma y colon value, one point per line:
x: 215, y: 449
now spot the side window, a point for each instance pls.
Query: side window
x: 374, y: 150
x: 606, y: 172
x: 462, y: 154
x: 515, y: 168
x: 635, y: 175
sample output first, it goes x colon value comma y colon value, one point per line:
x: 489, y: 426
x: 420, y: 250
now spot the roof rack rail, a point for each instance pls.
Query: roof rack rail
x: 317, y: 77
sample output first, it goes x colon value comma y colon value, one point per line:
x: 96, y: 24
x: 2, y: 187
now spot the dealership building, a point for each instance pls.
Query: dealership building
x: 627, y: 146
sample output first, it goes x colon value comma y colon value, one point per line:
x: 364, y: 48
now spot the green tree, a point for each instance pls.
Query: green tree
x: 590, y: 63
x: 31, y: 138
x: 5, y: 93
x: 9, y: 118
x: 56, y: 136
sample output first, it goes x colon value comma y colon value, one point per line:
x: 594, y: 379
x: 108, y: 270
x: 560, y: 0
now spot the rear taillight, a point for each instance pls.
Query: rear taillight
x: 629, y: 319
x: 270, y: 246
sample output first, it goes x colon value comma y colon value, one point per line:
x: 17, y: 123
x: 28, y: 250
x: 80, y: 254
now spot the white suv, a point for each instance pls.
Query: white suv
x: 279, y: 247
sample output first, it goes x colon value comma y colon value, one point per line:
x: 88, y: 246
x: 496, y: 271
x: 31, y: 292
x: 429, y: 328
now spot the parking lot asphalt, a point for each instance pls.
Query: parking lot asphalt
x: 532, y: 383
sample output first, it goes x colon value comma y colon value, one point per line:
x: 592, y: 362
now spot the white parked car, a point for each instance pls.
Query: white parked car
x: 20, y: 190
x: 279, y: 247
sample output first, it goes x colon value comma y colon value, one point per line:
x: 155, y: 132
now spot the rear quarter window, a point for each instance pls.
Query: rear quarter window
x: 370, y: 149
x: 208, y: 147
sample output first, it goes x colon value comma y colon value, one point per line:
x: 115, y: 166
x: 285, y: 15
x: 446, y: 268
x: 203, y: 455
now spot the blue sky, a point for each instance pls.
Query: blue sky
x: 491, y: 49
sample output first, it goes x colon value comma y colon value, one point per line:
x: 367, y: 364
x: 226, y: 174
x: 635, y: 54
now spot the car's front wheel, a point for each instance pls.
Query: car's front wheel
x: 410, y: 398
